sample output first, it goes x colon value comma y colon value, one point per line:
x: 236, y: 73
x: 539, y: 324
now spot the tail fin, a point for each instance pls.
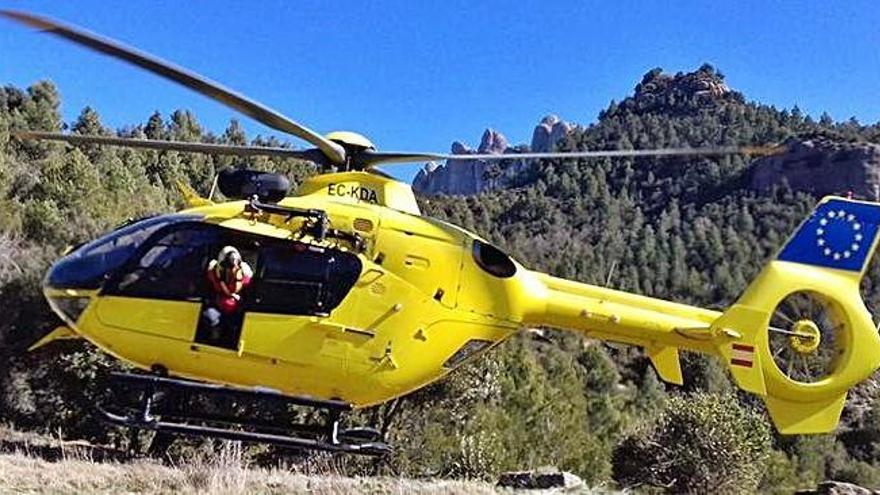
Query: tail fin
x: 802, y: 336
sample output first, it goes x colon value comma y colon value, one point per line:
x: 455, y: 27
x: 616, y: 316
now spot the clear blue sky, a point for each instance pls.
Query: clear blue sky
x: 416, y: 75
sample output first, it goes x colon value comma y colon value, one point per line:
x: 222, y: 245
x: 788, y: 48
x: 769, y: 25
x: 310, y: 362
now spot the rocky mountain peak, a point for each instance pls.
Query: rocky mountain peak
x: 680, y: 93
x: 548, y: 132
x: 459, y: 148
x: 493, y: 142
x: 462, y: 176
x: 705, y: 81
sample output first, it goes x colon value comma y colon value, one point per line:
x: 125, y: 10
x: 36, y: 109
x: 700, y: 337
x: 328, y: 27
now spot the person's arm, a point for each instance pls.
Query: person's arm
x: 211, y: 275
x: 220, y: 282
x: 226, y: 290
x: 247, y: 274
x: 242, y: 279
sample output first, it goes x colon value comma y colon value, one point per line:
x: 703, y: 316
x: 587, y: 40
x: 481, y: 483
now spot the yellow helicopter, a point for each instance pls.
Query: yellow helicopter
x: 352, y: 298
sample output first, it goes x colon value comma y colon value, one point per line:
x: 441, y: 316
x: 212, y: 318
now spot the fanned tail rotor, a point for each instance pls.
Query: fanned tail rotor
x: 807, y: 336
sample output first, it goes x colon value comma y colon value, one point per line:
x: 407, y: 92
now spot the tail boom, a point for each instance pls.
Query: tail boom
x: 661, y: 327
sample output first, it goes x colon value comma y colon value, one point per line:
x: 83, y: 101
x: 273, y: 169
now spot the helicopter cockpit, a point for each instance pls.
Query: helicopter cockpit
x: 87, y: 266
x: 165, y: 258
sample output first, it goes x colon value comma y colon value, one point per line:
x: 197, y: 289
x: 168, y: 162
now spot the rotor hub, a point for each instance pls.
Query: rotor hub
x: 808, y: 337
x: 350, y: 139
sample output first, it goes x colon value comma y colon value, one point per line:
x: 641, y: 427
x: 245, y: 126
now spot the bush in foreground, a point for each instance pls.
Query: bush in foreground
x: 700, y: 443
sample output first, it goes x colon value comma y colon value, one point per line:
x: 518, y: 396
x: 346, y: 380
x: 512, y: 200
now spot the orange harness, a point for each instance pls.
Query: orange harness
x: 227, y: 288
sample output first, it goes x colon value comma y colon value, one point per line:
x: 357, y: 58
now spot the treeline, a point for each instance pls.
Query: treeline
x: 680, y: 229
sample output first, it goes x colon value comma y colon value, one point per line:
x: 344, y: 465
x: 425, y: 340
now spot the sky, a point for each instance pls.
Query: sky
x: 417, y: 75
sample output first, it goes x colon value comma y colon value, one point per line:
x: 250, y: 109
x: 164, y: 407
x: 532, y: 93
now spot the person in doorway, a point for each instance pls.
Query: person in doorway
x: 228, y: 275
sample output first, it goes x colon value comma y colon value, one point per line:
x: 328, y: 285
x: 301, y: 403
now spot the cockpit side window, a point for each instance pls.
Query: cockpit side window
x: 171, y: 266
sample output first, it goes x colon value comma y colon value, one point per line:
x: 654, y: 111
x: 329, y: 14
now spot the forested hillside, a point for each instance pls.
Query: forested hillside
x: 687, y: 230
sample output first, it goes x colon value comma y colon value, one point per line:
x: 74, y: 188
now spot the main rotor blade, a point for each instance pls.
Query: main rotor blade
x: 389, y: 157
x: 182, y: 76
x: 313, y: 155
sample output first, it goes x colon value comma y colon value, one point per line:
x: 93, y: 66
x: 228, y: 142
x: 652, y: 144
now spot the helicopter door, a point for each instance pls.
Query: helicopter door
x: 295, y: 279
x: 160, y: 290
x: 299, y: 279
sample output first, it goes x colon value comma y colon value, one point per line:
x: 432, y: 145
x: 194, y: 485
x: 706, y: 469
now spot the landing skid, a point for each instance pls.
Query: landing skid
x: 321, y: 437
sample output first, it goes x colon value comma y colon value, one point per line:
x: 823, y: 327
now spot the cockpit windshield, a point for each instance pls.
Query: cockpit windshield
x: 86, y: 267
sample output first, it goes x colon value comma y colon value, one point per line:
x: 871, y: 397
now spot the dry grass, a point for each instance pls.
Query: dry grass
x: 32, y: 463
x: 37, y: 464
x: 20, y: 473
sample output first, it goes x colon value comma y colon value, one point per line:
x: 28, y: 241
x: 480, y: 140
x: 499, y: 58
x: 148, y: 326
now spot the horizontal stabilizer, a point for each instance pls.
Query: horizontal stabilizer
x: 60, y: 333
x: 798, y: 418
x: 666, y: 362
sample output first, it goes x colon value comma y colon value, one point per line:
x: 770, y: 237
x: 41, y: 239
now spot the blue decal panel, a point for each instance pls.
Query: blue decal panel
x: 839, y: 234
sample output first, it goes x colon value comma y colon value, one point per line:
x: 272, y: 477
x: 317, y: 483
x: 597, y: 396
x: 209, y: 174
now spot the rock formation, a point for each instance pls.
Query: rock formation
x: 837, y: 488
x: 461, y: 176
x: 547, y: 478
x: 493, y: 142
x: 472, y: 177
x: 821, y: 166
x: 681, y: 93
x: 548, y: 133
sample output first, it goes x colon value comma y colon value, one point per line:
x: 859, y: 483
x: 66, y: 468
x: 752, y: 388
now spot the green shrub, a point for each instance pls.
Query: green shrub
x: 700, y: 443
x: 781, y: 476
x: 523, y: 406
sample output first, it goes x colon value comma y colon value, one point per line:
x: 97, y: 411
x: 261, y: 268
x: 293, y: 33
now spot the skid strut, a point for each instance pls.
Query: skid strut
x: 325, y: 437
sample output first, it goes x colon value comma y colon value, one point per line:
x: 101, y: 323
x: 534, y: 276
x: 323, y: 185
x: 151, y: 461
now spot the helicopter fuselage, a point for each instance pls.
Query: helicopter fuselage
x: 327, y: 318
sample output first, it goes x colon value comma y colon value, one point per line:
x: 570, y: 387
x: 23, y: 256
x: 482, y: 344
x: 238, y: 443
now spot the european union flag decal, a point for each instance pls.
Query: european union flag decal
x: 839, y: 234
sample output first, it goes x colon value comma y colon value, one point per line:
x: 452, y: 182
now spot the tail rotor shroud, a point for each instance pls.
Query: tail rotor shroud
x: 806, y: 336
